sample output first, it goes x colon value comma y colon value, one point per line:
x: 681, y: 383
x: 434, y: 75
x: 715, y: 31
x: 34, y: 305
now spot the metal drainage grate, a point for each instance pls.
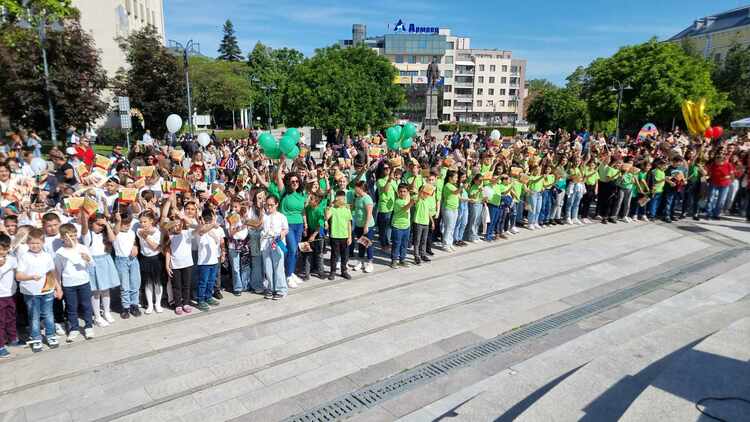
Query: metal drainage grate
x: 373, y: 395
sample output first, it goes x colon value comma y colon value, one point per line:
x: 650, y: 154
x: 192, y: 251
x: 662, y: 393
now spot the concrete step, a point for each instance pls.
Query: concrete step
x: 719, y: 366
x: 605, y: 387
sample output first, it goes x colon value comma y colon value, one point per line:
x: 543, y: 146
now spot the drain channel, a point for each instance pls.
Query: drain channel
x: 372, y: 395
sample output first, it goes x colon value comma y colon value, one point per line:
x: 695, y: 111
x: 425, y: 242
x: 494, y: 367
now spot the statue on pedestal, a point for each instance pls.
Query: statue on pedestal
x: 433, y: 74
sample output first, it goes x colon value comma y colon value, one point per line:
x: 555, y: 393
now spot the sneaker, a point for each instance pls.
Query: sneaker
x: 36, y: 346
x: 135, y: 311
x: 644, y: 218
x: 586, y: 221
x: 578, y: 222
x: 259, y: 292
x: 52, y: 342
x: 278, y: 296
x: 108, y: 317
x: 59, y: 330
x: 102, y: 323
x: 187, y: 309
x: 628, y: 220
x: 149, y: 310
x: 217, y: 295
x: 568, y: 221
x: 347, y: 276
x: 4, y: 353
x: 267, y: 295
x: 125, y: 314
x: 72, y: 336
x: 213, y: 302
x: 354, y: 264
x: 612, y: 220
x: 88, y: 333
x: 178, y: 310
x: 393, y: 264
x: 417, y: 261
x: 203, y: 306
x: 513, y: 230
x: 332, y: 275
x: 426, y: 258
x: 532, y: 227
x: 296, y: 279
x: 368, y: 267
x: 402, y: 264
x: 158, y: 309
x: 291, y: 283
x: 238, y: 294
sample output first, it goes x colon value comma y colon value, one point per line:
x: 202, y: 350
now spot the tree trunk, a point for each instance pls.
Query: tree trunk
x: 234, y: 126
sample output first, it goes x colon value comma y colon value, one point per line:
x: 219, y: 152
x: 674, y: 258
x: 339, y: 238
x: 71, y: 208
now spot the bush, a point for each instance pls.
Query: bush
x: 470, y: 127
x: 236, y: 134
x: 110, y: 136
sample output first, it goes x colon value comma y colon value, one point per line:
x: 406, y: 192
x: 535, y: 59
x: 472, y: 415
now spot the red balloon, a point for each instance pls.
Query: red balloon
x: 718, y: 131
x: 709, y: 133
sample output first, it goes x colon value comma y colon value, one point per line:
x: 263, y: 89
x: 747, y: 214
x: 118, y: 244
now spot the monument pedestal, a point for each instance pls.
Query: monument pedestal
x: 431, y: 108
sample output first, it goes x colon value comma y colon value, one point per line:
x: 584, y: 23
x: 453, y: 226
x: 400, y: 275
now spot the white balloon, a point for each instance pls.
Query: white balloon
x: 38, y: 165
x: 174, y: 123
x: 495, y: 135
x: 204, y: 139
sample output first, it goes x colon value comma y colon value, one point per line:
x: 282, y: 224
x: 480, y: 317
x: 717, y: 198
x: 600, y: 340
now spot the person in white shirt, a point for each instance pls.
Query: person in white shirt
x: 35, y: 268
x: 103, y: 274
x: 72, y: 262
x: 126, y: 263
x: 275, y: 228
x: 151, y: 261
x: 209, y: 251
x: 238, y: 249
x: 179, y: 259
x: 8, y: 334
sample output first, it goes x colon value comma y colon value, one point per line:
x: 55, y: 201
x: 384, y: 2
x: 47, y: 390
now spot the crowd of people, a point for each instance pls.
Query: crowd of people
x: 85, y: 237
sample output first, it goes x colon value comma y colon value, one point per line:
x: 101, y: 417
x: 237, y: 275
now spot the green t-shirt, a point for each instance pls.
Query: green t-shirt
x: 360, y: 211
x: 475, y: 192
x: 517, y: 188
x: 274, y: 190
x: 693, y: 174
x: 626, y: 181
x: 549, y: 180
x: 315, y: 216
x: 409, y: 178
x: 498, y: 190
x: 401, y: 218
x: 590, y: 177
x: 422, y: 211
x: 340, y: 219
x: 450, y: 196
x: 386, y: 197
x: 292, y: 206
x: 659, y: 177
x: 536, y: 183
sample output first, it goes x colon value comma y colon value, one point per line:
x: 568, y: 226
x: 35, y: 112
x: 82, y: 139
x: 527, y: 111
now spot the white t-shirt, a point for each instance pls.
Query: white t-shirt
x: 208, y: 246
x: 33, y: 264
x: 240, y: 234
x: 70, y: 267
x: 95, y: 243
x: 154, y: 237
x: 8, y: 277
x: 273, y: 224
x: 181, y: 250
x: 123, y: 244
x: 52, y: 244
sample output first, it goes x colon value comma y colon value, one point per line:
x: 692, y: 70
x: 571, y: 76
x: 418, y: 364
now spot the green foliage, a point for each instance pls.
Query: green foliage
x: 154, y: 80
x: 539, y: 85
x: 229, y: 49
x: 733, y: 77
x: 473, y: 128
x: 110, y: 136
x: 350, y: 89
x: 662, y: 76
x: 271, y: 68
x: 218, y: 85
x: 48, y: 9
x: 557, y: 108
x: 77, y: 78
x: 234, y: 134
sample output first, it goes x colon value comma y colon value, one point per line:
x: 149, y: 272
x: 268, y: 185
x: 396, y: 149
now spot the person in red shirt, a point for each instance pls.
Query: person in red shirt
x: 84, y: 152
x: 721, y: 175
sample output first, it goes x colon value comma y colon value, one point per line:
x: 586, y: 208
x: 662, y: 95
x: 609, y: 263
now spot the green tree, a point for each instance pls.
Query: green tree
x: 271, y: 68
x: 351, y: 89
x: 219, y: 86
x: 555, y: 108
x: 539, y: 85
x: 47, y: 9
x: 229, y: 49
x: 662, y: 76
x: 76, y: 76
x: 733, y: 77
x: 154, y: 81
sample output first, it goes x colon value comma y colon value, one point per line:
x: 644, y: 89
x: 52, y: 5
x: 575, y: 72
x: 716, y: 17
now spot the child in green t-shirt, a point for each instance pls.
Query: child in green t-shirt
x: 340, y: 222
x: 400, y: 224
x: 423, y: 223
x: 312, y: 259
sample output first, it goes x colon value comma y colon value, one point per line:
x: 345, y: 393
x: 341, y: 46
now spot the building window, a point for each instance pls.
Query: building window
x: 490, y: 103
x: 451, y: 45
x: 399, y: 59
x: 501, y: 91
x: 501, y: 103
x: 511, y: 92
x: 492, y: 79
x: 514, y: 69
x: 492, y: 68
x: 448, y: 59
x: 448, y: 73
x: 448, y: 88
x: 479, y: 103
x: 503, y: 79
x: 513, y: 81
x: 480, y: 79
x: 424, y: 59
x: 480, y: 91
x: 446, y: 103
x: 491, y: 91
x: 407, y: 73
x: 481, y: 68
x: 505, y: 68
x: 412, y: 59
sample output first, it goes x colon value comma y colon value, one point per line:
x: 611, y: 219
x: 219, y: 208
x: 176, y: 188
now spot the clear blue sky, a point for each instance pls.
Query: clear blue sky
x: 554, y: 36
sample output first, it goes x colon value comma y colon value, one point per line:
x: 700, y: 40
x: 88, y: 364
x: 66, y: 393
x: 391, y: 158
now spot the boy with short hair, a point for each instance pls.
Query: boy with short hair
x: 340, y: 217
x: 72, y: 263
x: 8, y: 264
x: 34, y: 268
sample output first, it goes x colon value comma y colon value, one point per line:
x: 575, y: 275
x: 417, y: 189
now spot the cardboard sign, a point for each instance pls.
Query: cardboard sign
x: 395, y: 162
x: 128, y: 195
x: 102, y: 162
x: 73, y: 204
x: 144, y: 171
x: 218, y: 197
x: 177, y: 155
x: 233, y: 219
x: 139, y: 183
x: 304, y: 247
x: 506, y: 152
x: 82, y: 170
x: 49, y: 282
x: 626, y: 167
x: 364, y: 241
x: 375, y: 152
x: 90, y: 206
x: 179, y: 172
x: 516, y: 171
x: 180, y: 185
x: 98, y: 176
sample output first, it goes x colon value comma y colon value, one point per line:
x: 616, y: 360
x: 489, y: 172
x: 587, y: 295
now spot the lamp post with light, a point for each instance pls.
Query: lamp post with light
x: 619, y: 88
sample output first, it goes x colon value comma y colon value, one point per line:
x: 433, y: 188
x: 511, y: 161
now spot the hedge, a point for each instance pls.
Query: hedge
x: 470, y: 127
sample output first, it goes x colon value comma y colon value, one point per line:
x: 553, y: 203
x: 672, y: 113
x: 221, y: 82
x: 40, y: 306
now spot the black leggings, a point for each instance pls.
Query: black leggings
x: 182, y: 281
x: 339, y: 249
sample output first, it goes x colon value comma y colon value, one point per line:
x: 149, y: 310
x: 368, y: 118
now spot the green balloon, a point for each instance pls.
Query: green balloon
x: 266, y: 141
x: 294, y: 133
x: 393, y: 134
x: 287, y: 143
x: 394, y: 144
x: 293, y: 153
x: 406, y: 143
x: 273, y: 152
x: 408, y: 131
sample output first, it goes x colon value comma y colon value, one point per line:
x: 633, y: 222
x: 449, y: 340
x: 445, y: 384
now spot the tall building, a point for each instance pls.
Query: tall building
x: 484, y: 86
x: 107, y: 20
x: 714, y: 35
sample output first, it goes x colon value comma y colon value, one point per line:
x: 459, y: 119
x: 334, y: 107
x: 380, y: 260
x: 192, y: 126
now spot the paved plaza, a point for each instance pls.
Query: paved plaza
x: 639, y: 321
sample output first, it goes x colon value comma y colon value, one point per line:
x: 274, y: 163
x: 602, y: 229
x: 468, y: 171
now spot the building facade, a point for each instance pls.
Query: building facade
x: 484, y: 86
x: 714, y: 35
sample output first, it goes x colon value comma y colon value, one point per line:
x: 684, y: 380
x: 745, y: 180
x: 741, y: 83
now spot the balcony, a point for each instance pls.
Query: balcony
x: 464, y: 72
x: 464, y: 96
x: 458, y: 84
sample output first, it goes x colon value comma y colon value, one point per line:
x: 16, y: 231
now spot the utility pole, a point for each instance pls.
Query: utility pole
x: 619, y: 89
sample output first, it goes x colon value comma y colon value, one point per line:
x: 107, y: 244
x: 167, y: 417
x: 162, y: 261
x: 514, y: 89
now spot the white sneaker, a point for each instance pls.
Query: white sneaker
x: 368, y: 267
x: 353, y: 264
x: 568, y: 221
x: 586, y: 221
x: 513, y: 230
x: 644, y: 218
x: 88, y: 333
x: 578, y: 222
x: 628, y: 220
x: 158, y: 309
x: 291, y: 283
x: 102, y: 323
x: 149, y: 310
x: 72, y: 336
x: 532, y: 226
x: 108, y: 317
x: 59, y: 330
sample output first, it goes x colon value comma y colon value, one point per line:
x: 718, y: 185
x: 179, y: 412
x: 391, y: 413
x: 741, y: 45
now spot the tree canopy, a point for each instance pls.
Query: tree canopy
x: 733, y: 77
x: 229, y: 49
x: 218, y: 85
x: 271, y: 67
x: 554, y: 108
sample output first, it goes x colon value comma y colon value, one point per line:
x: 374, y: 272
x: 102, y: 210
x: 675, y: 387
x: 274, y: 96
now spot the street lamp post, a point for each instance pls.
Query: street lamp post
x: 619, y: 88
x: 186, y: 49
x: 268, y: 88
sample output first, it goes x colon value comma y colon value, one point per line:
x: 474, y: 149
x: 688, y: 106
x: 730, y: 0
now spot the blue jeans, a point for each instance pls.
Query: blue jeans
x: 40, y: 307
x: 496, y: 216
x: 449, y: 225
x: 535, y: 207
x: 292, y: 240
x: 653, y: 205
x: 358, y: 232
x: 517, y: 215
x: 575, y: 194
x: 240, y: 274
x: 384, y: 228
x: 273, y: 263
x: 400, y: 243
x: 206, y: 281
x: 130, y: 280
x: 461, y: 221
x: 474, y: 217
x: 546, y: 210
x: 257, y: 274
x: 75, y: 296
x: 669, y: 200
x: 717, y: 197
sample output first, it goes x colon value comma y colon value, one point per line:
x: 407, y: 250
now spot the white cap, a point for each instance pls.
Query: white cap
x: 70, y: 151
